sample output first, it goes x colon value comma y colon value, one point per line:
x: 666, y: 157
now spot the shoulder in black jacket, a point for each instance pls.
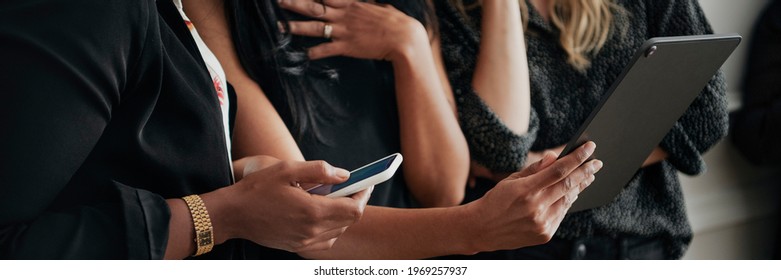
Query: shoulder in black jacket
x: 107, y: 110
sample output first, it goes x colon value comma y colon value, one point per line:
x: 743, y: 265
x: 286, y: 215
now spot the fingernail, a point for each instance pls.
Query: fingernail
x: 281, y: 2
x: 341, y: 173
x: 590, y: 147
x: 597, y: 165
x: 281, y: 27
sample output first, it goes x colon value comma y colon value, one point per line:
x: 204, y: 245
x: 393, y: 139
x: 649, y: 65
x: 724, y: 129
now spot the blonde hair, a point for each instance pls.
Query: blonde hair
x: 584, y: 25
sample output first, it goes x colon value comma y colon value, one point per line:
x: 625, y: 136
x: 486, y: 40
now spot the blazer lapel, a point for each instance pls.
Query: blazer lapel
x: 174, y: 20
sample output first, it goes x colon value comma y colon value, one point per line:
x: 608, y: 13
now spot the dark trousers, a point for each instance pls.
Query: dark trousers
x: 595, y: 248
x: 589, y: 248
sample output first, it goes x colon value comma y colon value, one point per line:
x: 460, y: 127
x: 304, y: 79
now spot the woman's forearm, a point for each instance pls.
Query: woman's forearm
x: 393, y: 233
x: 522, y: 210
x: 437, y: 156
x: 501, y: 75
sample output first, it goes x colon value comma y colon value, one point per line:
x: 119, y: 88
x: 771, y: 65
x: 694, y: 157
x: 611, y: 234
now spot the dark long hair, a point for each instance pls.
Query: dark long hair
x: 280, y: 65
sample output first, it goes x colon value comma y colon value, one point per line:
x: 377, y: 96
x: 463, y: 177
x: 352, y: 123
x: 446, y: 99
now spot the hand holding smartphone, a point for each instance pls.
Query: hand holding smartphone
x: 362, y: 178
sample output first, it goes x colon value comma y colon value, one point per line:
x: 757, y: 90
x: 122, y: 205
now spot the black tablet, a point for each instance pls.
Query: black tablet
x: 651, y: 94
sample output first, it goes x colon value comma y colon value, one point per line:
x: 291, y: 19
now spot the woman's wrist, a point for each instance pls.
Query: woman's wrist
x: 410, y: 43
x: 412, y: 56
x: 187, y: 220
x: 223, y: 214
x: 467, y: 230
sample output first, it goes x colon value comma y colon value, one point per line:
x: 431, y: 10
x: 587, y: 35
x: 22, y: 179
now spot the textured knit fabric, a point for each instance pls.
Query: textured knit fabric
x: 651, y: 205
x: 491, y: 143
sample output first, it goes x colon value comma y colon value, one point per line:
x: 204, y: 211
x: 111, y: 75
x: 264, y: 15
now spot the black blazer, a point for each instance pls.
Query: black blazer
x: 107, y: 110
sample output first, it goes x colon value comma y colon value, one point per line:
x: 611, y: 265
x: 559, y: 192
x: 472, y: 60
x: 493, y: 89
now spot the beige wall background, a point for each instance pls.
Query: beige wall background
x: 734, y: 206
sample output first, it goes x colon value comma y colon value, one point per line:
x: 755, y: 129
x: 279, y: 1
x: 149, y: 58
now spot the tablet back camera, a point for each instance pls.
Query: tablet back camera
x: 651, y: 51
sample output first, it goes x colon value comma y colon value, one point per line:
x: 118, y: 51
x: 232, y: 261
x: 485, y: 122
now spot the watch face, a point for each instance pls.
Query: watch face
x: 205, y: 238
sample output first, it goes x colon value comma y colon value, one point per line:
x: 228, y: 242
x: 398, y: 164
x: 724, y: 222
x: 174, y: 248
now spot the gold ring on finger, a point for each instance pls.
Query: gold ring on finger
x: 327, y: 30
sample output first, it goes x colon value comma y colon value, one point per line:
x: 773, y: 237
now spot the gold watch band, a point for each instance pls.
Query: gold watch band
x: 204, y: 233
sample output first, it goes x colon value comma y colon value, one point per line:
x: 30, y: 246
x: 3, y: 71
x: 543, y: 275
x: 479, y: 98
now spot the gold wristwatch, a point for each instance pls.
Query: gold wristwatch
x: 204, y: 233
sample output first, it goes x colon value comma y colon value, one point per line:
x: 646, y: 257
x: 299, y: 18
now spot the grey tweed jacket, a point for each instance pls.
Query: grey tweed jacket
x: 651, y: 205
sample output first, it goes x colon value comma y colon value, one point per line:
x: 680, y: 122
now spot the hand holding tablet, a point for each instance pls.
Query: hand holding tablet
x: 648, y: 97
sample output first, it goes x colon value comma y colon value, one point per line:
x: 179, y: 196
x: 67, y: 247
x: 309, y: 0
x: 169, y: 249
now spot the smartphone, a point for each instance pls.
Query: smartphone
x: 362, y: 178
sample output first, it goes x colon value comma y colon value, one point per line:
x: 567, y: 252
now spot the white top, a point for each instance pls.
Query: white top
x: 218, y: 78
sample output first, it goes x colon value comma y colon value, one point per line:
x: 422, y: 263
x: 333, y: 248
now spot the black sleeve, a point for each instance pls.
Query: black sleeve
x: 64, y: 66
x: 756, y: 129
x: 706, y: 120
